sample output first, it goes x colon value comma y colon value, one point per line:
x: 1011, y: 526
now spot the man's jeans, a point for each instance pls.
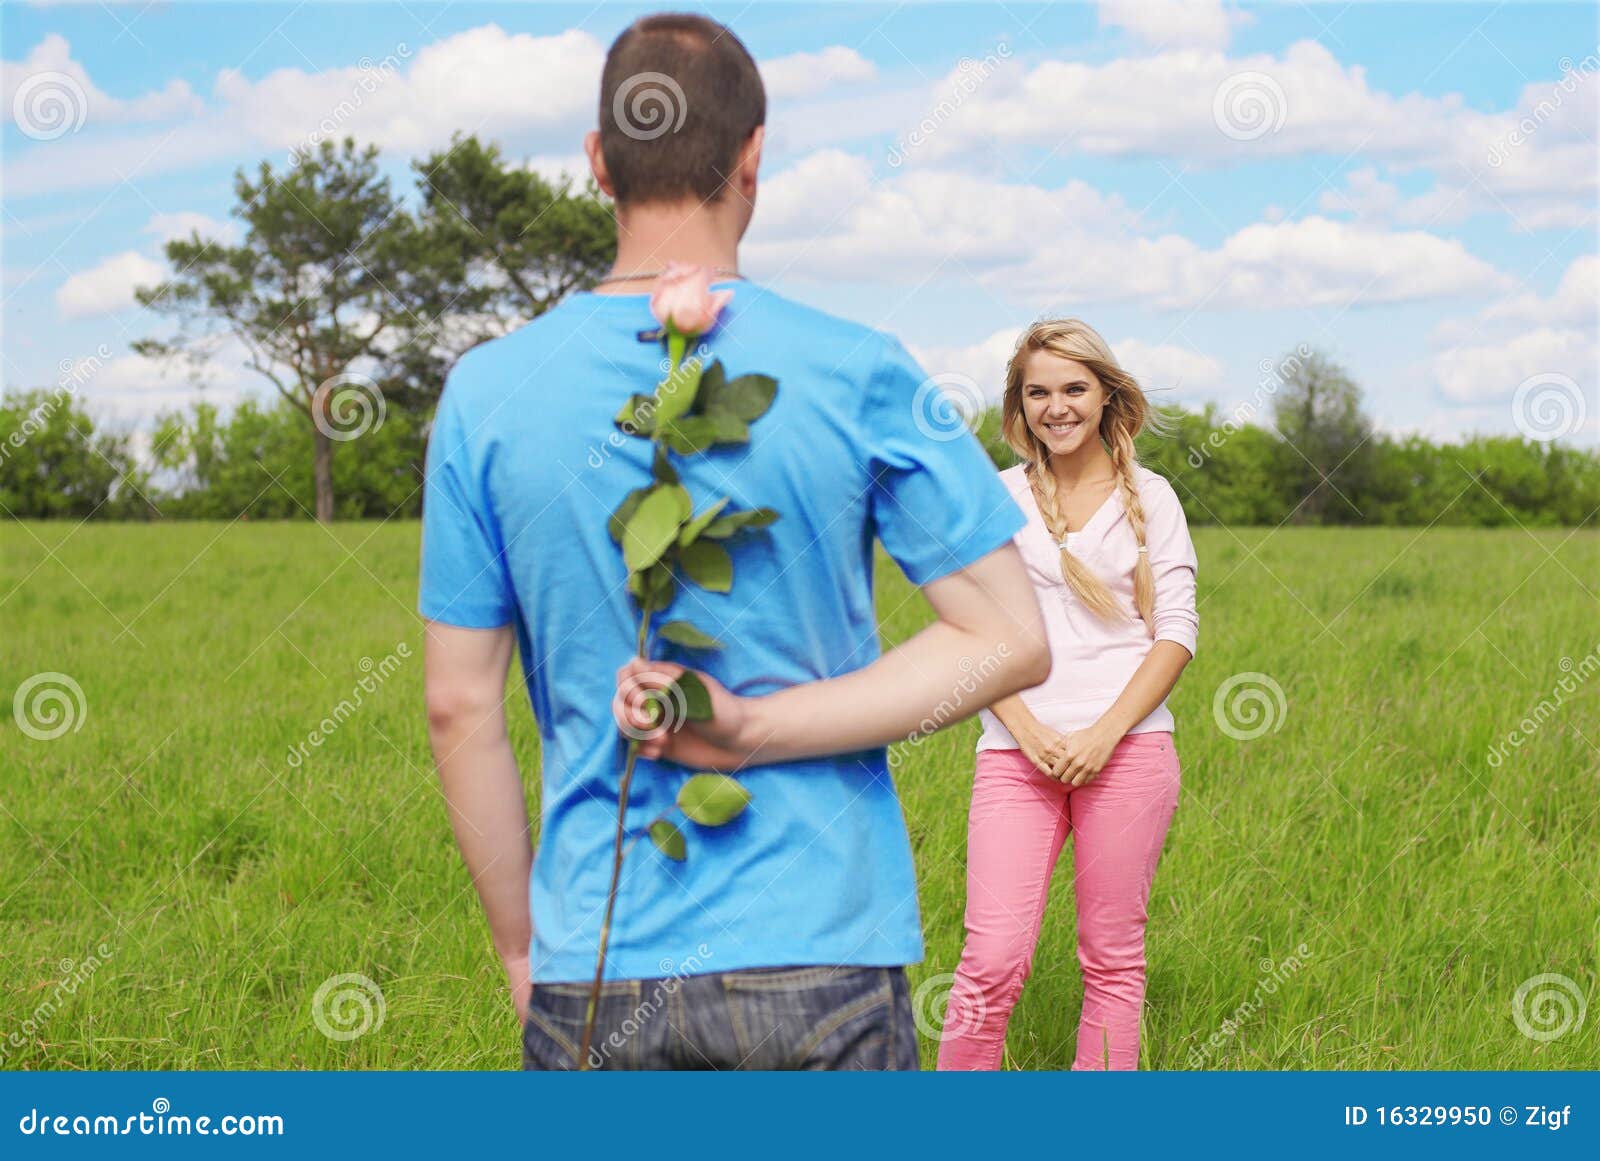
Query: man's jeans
x: 759, y: 1018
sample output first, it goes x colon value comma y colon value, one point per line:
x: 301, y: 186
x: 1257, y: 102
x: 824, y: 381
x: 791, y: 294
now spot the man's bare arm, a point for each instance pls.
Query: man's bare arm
x: 465, y: 683
x: 987, y: 642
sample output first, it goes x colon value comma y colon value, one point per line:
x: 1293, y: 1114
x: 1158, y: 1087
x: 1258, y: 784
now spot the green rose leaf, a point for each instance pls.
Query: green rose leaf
x: 637, y: 416
x: 725, y: 526
x: 713, y: 382
x: 712, y: 799
x: 654, y: 525
x: 692, y: 530
x: 729, y: 428
x: 707, y: 565
x: 747, y: 397
x: 685, y: 634
x: 661, y: 467
x: 689, y: 434
x: 654, y: 587
x: 691, y: 693
x: 669, y: 840
x: 676, y: 393
x: 624, y: 513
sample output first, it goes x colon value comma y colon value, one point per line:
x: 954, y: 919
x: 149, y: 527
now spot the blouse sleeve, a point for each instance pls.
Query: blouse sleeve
x: 1173, y: 564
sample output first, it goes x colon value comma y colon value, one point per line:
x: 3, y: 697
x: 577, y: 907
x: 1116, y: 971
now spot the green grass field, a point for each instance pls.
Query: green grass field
x: 1359, y: 887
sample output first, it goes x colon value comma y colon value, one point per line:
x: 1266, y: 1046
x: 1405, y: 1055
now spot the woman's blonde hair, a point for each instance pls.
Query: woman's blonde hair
x: 1127, y: 412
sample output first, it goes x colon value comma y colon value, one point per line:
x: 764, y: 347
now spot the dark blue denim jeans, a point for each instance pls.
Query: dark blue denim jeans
x: 759, y: 1018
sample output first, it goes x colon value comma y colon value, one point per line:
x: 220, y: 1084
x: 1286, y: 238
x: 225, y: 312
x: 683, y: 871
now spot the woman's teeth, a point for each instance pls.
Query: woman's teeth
x: 1061, y: 428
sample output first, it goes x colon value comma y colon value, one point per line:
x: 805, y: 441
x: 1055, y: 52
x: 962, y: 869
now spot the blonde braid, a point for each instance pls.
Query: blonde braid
x: 1088, y: 588
x: 1123, y: 458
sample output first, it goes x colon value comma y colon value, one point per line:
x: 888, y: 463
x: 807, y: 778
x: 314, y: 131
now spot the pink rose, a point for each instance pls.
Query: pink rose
x: 684, y: 301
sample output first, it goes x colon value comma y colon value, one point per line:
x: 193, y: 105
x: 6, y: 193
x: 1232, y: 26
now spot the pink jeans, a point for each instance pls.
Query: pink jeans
x: 1020, y: 819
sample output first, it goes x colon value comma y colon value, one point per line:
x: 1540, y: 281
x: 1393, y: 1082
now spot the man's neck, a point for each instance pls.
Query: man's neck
x: 650, y: 236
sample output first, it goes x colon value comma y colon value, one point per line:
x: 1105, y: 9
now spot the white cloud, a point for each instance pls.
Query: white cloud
x: 1576, y: 301
x: 803, y: 74
x: 1165, y: 367
x: 180, y: 225
x: 983, y: 362
x: 1203, y: 106
x: 1485, y: 358
x: 1164, y: 23
x: 108, y: 287
x: 57, y: 93
x: 828, y: 216
x: 558, y: 167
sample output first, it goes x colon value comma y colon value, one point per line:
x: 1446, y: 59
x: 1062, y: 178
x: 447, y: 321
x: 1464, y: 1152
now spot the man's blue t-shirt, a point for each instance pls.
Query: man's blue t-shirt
x: 525, y: 467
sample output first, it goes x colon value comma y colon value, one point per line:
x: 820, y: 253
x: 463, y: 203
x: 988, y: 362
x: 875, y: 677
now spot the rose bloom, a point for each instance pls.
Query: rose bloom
x: 684, y: 301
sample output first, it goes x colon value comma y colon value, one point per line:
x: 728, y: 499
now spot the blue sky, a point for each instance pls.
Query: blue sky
x: 1411, y: 188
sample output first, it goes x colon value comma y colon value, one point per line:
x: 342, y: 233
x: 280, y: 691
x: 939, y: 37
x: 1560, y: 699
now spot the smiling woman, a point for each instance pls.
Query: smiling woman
x: 1089, y: 751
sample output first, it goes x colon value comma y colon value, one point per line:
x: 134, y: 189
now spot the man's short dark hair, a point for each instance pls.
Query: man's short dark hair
x: 679, y: 97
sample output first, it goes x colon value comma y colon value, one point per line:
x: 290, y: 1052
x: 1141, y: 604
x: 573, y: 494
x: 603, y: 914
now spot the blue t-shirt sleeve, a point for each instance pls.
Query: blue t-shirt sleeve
x: 464, y: 579
x: 937, y: 501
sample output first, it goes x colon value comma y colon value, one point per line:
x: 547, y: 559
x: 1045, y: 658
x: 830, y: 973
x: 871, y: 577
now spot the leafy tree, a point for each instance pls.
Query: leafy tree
x: 327, y: 282
x: 1325, y: 456
x: 256, y: 463
x: 524, y: 244
x: 54, y: 464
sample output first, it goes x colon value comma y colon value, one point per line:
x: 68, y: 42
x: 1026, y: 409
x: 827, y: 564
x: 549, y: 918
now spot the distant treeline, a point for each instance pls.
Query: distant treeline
x: 255, y: 463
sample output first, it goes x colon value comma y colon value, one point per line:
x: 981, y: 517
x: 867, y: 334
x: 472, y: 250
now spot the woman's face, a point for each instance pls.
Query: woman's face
x: 1062, y: 401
